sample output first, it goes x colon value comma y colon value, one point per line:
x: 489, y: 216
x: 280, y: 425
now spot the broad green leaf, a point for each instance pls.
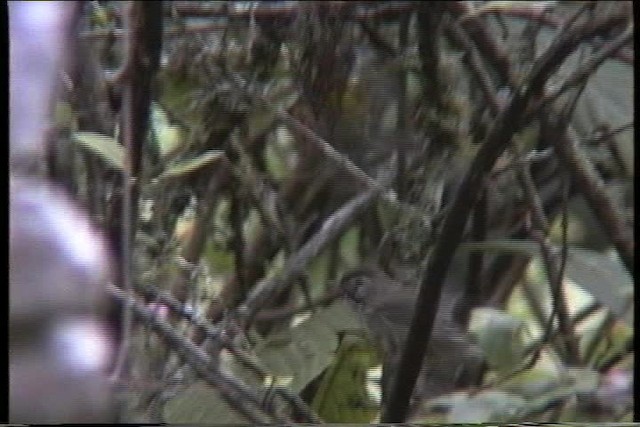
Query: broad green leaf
x: 301, y: 352
x: 282, y: 95
x: 349, y: 251
x: 500, y: 335
x: 187, y: 167
x: 252, y: 376
x: 201, y: 404
x: 605, y: 349
x: 584, y: 380
x: 605, y: 278
x: 159, y: 118
x: 340, y: 317
x: 342, y: 396
x: 168, y: 137
x: 106, y: 147
x: 318, y: 271
x: 541, y: 403
x: 487, y: 406
x: 601, y: 275
x: 178, y: 96
x: 532, y: 382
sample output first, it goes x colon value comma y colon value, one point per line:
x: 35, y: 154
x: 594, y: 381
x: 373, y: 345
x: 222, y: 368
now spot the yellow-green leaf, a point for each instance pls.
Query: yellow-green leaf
x: 342, y: 396
x: 187, y: 167
x: 106, y: 147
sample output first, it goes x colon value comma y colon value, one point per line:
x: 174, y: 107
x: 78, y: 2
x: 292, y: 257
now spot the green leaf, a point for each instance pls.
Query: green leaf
x: 317, y: 272
x: 342, y: 396
x: 340, y: 317
x: 500, y: 335
x: 301, y: 352
x: 601, y: 275
x: 603, y: 350
x: 106, y: 147
x: 487, y: 406
x: 187, y: 167
x: 532, y: 382
x: 221, y: 261
x: 283, y: 149
x: 169, y: 140
x: 178, y: 95
x: 282, y: 94
x: 159, y: 118
x: 605, y: 278
x: 349, y: 247
x: 201, y: 404
x: 584, y: 380
x: 168, y: 137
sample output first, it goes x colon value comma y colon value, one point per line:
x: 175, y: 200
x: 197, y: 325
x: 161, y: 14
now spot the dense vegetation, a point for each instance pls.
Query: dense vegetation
x: 271, y: 148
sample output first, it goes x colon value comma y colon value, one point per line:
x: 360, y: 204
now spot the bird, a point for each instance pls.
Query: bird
x: 386, y: 307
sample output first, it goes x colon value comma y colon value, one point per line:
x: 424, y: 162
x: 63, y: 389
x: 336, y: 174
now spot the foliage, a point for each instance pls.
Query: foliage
x: 268, y: 120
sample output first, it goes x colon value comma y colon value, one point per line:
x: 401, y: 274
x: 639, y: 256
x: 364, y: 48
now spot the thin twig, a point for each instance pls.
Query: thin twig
x: 236, y: 393
x: 588, y: 69
x: 591, y: 186
x: 339, y: 159
x: 555, y: 268
x: 478, y: 70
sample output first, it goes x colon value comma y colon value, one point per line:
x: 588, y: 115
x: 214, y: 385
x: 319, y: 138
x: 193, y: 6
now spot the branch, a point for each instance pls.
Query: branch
x: 590, y: 67
x: 474, y: 62
x: 262, y: 12
x: 566, y: 43
x: 555, y: 267
x: 430, y: 289
x: 333, y: 227
x: 143, y: 46
x: 236, y: 393
x: 508, y: 122
x: 330, y: 152
x: 495, y: 53
x: 591, y: 186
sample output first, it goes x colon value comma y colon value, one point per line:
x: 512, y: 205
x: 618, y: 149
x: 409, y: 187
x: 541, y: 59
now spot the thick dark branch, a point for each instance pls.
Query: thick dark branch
x: 144, y: 43
x: 453, y: 229
x: 505, y: 125
x: 142, y: 58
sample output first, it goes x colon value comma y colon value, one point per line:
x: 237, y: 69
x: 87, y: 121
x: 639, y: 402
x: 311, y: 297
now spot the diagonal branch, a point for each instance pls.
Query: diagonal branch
x: 505, y: 125
x: 591, y: 186
x: 237, y: 394
x: 330, y: 230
